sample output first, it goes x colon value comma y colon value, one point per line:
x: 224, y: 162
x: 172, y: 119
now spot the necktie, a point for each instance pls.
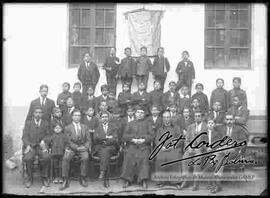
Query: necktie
x: 229, y: 131
x: 43, y: 101
x: 209, y: 133
x: 105, y: 128
x: 78, y: 130
x: 197, y: 129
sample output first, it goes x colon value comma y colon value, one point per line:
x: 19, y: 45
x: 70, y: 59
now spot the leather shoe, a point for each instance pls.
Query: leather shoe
x: 64, y: 185
x: 126, y: 184
x: 46, y: 182
x: 195, y: 187
x: 28, y: 183
x: 101, y: 175
x: 144, y: 184
x: 83, y: 182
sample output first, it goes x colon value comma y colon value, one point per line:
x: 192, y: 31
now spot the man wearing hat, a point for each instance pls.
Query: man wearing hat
x: 138, y: 137
x: 105, y: 142
x: 35, y: 140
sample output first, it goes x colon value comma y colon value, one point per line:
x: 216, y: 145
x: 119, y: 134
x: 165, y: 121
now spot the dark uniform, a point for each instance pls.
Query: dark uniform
x: 186, y: 74
x: 217, y: 116
x: 124, y: 99
x: 143, y: 67
x: 62, y: 99
x: 240, y: 113
x: 136, y: 160
x: 46, y: 108
x: 186, y: 121
x: 76, y: 137
x: 160, y: 68
x: 33, y: 134
x: 78, y: 99
x: 170, y: 98
x: 155, y: 122
x: 240, y: 93
x: 67, y: 116
x: 156, y: 98
x: 183, y: 102
x: 90, y: 102
x: 143, y: 100
x: 110, y: 62
x: 101, y: 98
x: 126, y: 70
x: 88, y: 75
x: 221, y: 95
x: 203, y: 100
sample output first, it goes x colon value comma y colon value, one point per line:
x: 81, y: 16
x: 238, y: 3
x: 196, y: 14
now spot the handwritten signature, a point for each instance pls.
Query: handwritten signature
x: 226, y: 143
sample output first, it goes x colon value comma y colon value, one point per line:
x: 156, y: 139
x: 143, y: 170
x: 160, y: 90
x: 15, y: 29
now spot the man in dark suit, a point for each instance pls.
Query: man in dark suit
x: 79, y: 143
x: 46, y: 104
x: 142, y: 98
x: 193, y: 130
x: 127, y: 68
x: 155, y: 120
x: 67, y: 114
x: 35, y: 140
x: 171, y: 96
x: 239, y: 111
x: 156, y: 95
x: 161, y: 67
x: 217, y: 114
x: 88, y: 73
x: 104, y: 95
x: 124, y: 99
x: 105, y: 142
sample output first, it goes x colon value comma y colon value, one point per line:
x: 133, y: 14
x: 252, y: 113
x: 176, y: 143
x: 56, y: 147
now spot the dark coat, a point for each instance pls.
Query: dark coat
x: 155, y: 125
x: 88, y: 76
x: 75, y: 141
x: 182, y: 103
x: 242, y: 112
x: 124, y: 99
x: 56, y: 121
x: 62, y: 98
x: 142, y: 100
x: 110, y: 63
x: 78, y: 99
x: 219, y: 119
x: 127, y: 67
x: 99, y: 99
x: 86, y: 103
x: 185, y: 72
x: 240, y: 93
x: 168, y: 99
x: 143, y: 65
x: 32, y: 135
x: 186, y: 122
x: 67, y: 117
x: 156, y: 98
x: 47, y: 109
x: 58, y: 143
x: 221, y: 95
x: 203, y: 100
x: 158, y: 66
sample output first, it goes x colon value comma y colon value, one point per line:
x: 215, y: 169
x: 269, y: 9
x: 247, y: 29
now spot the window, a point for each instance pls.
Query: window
x: 91, y: 28
x: 227, y: 36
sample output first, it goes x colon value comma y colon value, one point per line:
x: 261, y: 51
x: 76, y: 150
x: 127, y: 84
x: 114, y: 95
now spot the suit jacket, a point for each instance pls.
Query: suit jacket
x: 186, y: 122
x: 124, y: 99
x: 139, y: 129
x: 156, y: 98
x: 91, y: 124
x: 241, y: 112
x: 88, y: 76
x: 143, y: 65
x: 32, y: 135
x: 142, y: 100
x: 110, y: 63
x: 215, y: 136
x: 185, y: 71
x: 240, y: 93
x: 56, y: 121
x: 63, y: 96
x: 47, y: 109
x: 158, y: 66
x: 78, y: 99
x: 100, y: 136
x: 67, y: 117
x: 220, y: 95
x: 168, y: 99
x: 191, y: 134
x: 86, y: 103
x: 58, y: 143
x: 127, y: 67
x: 238, y: 133
x: 183, y: 103
x: 74, y: 141
x: 99, y: 99
x: 155, y: 125
x: 219, y: 119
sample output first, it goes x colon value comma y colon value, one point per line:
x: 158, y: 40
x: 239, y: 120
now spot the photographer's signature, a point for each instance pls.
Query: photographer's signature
x: 226, y: 143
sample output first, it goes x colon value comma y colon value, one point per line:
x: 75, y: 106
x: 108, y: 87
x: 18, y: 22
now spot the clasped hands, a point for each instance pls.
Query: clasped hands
x: 138, y: 140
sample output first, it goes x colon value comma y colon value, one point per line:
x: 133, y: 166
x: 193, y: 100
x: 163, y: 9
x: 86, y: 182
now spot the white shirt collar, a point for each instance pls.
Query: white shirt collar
x: 37, y: 122
x: 41, y: 99
x: 76, y: 123
x: 104, y: 97
x: 199, y: 126
x: 130, y: 118
x: 71, y: 109
x: 182, y: 96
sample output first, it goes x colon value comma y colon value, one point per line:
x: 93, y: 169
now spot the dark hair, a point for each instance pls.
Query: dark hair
x: 76, y: 111
x: 38, y: 107
x: 77, y: 83
x: 55, y: 109
x: 185, y: 51
x: 160, y: 48
x: 229, y: 114
x: 127, y: 48
x: 155, y: 106
x: 185, y: 85
x: 87, y: 52
x: 198, y: 111
x: 43, y: 86
x: 219, y: 79
x: 199, y: 84
x: 143, y: 47
x: 104, y: 87
x: 237, y: 78
x: 58, y: 124
x: 69, y: 97
x: 172, y: 82
x: 166, y: 112
x: 66, y: 83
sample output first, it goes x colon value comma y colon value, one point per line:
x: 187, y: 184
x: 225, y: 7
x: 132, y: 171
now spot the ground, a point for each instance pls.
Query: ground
x: 13, y: 185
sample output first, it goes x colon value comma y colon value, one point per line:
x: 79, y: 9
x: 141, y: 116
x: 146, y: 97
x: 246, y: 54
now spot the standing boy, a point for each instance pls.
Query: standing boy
x: 62, y: 97
x: 237, y: 91
x: 77, y: 95
x: 203, y: 99
x: 220, y: 94
x: 88, y: 73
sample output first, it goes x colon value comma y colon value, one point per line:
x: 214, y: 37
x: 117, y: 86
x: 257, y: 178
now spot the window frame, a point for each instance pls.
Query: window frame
x: 92, y: 27
x: 227, y: 45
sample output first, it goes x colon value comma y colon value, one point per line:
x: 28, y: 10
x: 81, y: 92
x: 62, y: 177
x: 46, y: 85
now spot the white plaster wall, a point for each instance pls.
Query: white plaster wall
x: 35, y: 52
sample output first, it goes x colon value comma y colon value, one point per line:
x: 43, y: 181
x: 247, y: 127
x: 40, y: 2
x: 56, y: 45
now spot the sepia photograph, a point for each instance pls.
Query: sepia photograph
x: 134, y: 99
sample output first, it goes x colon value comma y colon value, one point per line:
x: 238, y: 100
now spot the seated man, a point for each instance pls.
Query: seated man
x: 239, y: 111
x: 105, y: 142
x: 217, y: 114
x: 35, y: 136
x: 78, y: 144
x: 138, y: 136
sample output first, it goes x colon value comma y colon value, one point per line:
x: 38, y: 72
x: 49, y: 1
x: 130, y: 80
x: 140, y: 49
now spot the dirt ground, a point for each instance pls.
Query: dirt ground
x: 13, y: 185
